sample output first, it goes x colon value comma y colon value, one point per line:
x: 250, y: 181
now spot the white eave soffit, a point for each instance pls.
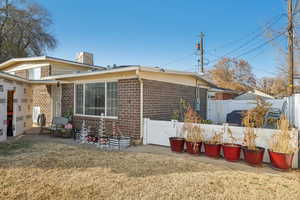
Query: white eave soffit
x: 28, y: 66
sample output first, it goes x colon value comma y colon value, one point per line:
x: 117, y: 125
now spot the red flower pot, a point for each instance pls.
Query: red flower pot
x: 281, y: 161
x: 254, y: 157
x: 231, y: 152
x: 212, y: 150
x: 177, y: 144
x: 193, y: 147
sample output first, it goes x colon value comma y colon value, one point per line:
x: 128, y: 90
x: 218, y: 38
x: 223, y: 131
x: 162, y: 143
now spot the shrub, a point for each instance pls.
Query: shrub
x: 285, y: 140
x: 231, y: 137
x: 257, y: 114
x: 217, y: 138
x: 249, y: 133
x: 192, y: 132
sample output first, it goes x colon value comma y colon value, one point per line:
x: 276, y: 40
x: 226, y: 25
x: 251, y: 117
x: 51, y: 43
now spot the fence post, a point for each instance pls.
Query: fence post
x: 174, y: 125
x: 298, y: 157
x: 225, y: 128
x: 146, y: 124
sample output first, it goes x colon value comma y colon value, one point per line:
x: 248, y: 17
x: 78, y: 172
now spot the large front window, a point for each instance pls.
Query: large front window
x: 96, y: 99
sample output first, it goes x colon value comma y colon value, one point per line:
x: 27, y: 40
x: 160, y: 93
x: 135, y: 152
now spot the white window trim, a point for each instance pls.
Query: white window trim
x: 92, y: 116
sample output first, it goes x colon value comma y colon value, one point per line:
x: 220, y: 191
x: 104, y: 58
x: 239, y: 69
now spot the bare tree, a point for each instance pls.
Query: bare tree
x: 233, y: 74
x: 275, y: 86
x: 24, y: 29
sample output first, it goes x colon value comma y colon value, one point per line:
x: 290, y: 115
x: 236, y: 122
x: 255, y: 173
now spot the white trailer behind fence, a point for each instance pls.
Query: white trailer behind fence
x: 158, y: 133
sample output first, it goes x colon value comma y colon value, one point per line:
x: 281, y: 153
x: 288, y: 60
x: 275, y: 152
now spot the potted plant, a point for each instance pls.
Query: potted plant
x: 194, y: 140
x: 177, y: 143
x: 193, y: 133
x: 69, y: 115
x: 283, y: 145
x: 212, y: 147
x: 253, y: 154
x: 231, y: 150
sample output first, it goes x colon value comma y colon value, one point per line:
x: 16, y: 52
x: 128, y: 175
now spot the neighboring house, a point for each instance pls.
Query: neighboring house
x: 252, y: 95
x: 216, y: 93
x: 124, y: 94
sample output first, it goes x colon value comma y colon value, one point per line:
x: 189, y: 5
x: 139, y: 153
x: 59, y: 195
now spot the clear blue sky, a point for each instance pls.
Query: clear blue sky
x: 161, y: 32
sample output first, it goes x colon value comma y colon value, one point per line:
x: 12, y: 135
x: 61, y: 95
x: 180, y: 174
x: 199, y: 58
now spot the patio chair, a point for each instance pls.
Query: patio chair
x: 57, y: 127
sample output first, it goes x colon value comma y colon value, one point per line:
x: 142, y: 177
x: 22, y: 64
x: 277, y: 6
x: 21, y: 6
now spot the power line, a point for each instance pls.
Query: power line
x: 252, y: 39
x: 179, y: 59
x: 253, y: 49
x: 260, y: 46
x: 258, y: 32
x: 270, y: 23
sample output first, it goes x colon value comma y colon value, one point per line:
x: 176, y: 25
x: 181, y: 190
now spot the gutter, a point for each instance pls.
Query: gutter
x: 141, y: 106
x: 93, y: 73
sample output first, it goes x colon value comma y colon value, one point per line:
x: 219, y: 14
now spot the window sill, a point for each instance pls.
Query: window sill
x: 93, y: 116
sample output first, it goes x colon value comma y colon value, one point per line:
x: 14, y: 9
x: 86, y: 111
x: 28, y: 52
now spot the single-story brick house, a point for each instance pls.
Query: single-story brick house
x: 124, y: 94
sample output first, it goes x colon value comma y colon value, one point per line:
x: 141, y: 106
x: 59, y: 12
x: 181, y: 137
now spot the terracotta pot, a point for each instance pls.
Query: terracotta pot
x: 212, y: 150
x: 232, y: 152
x: 254, y: 157
x: 193, y: 147
x: 281, y: 161
x: 177, y: 144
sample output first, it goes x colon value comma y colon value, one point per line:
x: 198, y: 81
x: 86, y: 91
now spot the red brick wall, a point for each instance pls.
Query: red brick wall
x: 67, y: 97
x: 161, y: 99
x: 41, y: 95
x: 129, y: 107
x: 224, y: 96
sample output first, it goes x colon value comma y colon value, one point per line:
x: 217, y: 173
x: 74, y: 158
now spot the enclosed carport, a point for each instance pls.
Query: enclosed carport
x: 15, y: 105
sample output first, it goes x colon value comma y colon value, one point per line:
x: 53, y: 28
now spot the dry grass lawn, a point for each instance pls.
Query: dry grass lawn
x: 32, y: 169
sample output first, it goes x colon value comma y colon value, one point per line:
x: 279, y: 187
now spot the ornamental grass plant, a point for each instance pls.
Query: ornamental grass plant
x: 285, y: 140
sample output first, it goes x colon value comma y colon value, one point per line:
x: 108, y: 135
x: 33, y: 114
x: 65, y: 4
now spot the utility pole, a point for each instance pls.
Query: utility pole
x: 200, y: 49
x: 290, y: 49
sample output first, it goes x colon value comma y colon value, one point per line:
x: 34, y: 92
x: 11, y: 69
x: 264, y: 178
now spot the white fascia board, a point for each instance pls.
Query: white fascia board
x: 13, y: 78
x: 44, y: 58
x: 125, y: 69
x: 13, y: 60
x: 28, y: 66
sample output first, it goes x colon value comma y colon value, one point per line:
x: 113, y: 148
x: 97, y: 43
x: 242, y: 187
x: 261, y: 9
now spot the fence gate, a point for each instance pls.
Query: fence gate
x: 158, y: 132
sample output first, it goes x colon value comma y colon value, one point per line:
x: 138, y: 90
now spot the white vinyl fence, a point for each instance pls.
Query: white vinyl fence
x: 217, y: 110
x: 293, y: 110
x: 158, y: 133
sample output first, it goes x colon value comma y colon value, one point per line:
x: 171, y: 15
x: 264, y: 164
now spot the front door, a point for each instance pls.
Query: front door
x: 56, y: 101
x: 10, y: 113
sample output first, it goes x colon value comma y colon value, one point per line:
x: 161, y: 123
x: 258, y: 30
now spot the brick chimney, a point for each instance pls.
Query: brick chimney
x: 85, y: 58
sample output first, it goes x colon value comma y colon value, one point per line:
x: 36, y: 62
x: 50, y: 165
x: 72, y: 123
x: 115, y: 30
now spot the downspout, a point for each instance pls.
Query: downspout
x: 196, y: 96
x: 141, y: 107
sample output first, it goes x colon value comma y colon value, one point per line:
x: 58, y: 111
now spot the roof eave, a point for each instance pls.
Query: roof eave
x: 47, y: 58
